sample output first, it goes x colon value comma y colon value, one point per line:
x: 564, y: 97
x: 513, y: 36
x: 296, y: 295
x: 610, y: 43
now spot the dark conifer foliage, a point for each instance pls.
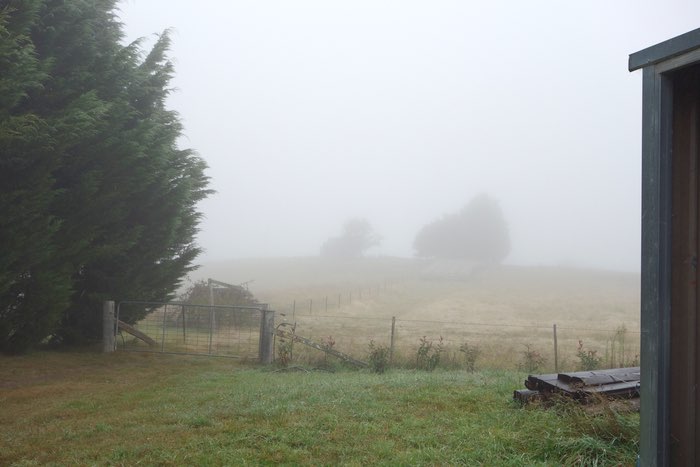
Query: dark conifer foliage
x: 478, y: 232
x: 97, y: 201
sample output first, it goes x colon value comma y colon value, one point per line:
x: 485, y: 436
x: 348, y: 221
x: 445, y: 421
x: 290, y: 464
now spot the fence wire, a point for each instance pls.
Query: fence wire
x: 179, y: 328
x: 500, y: 345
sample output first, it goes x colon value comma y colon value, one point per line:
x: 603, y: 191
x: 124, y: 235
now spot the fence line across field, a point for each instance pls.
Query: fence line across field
x: 247, y: 332
x: 556, y: 344
x: 465, y: 323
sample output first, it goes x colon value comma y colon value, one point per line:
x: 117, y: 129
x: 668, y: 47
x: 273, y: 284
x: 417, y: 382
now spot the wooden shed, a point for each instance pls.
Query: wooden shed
x: 670, y: 356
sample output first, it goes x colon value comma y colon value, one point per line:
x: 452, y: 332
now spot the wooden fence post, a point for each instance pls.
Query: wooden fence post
x: 108, y: 328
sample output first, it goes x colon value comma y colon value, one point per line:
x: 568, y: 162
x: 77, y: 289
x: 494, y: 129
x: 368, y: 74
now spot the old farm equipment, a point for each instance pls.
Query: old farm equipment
x: 617, y: 382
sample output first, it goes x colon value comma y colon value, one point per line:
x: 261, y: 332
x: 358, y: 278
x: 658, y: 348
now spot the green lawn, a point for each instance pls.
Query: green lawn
x: 124, y: 409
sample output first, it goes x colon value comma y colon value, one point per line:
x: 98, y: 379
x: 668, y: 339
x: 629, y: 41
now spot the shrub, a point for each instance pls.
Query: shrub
x: 378, y: 357
x: 327, y: 343
x: 532, y: 360
x: 588, y: 359
x: 428, y: 355
x: 471, y: 353
x: 615, y: 350
x: 285, y: 350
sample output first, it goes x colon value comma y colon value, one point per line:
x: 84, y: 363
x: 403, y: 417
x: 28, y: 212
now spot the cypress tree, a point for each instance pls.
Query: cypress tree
x: 34, y: 282
x: 118, y: 196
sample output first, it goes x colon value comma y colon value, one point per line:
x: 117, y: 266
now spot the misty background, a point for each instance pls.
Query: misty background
x: 309, y: 113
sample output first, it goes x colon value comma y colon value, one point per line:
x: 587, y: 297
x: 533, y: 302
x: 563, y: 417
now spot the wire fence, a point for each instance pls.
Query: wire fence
x: 499, y: 345
x: 227, y: 331
x: 351, y: 320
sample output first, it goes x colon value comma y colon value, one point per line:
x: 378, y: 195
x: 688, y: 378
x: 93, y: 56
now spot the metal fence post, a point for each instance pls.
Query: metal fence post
x: 391, y: 345
x: 184, y: 325
x: 108, y: 328
x: 267, y: 331
x: 162, y: 341
x: 211, y: 326
x: 556, y: 350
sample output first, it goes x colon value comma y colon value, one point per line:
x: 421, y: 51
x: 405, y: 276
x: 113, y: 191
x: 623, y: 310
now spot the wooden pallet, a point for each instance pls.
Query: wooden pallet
x: 616, y: 382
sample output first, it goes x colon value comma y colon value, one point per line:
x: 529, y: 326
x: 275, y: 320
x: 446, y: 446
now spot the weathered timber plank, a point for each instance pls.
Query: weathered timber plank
x: 525, y: 395
x: 539, y: 382
x: 598, y: 377
x: 630, y: 387
x: 136, y: 333
x: 322, y: 348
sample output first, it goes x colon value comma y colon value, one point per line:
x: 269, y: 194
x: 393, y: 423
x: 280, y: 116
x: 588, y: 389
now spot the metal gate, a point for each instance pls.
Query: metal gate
x: 181, y: 328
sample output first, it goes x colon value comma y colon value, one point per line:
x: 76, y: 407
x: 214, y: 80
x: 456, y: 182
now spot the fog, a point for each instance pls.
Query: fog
x: 309, y: 113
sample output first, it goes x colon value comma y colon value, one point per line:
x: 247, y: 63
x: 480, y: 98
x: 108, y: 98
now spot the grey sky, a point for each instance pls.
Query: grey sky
x: 312, y: 112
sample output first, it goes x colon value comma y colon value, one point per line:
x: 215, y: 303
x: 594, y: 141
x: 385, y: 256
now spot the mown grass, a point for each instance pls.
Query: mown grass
x: 124, y: 409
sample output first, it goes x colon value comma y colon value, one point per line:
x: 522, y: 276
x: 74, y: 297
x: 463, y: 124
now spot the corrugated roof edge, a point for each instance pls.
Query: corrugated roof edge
x: 664, y: 50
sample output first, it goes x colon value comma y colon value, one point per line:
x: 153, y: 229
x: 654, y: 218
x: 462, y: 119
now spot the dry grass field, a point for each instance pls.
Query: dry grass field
x: 507, y: 311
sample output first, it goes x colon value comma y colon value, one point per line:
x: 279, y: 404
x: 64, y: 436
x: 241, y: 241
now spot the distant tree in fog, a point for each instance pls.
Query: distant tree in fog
x: 477, y: 232
x: 357, y: 237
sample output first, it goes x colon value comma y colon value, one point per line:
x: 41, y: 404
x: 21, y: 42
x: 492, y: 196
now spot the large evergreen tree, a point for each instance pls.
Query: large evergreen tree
x: 34, y: 283
x: 102, y: 202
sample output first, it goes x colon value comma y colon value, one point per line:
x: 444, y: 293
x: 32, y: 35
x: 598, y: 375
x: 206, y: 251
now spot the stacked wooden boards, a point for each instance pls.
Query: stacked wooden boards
x: 616, y: 382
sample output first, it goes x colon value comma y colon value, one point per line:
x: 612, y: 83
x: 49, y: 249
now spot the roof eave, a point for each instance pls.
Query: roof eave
x: 665, y: 50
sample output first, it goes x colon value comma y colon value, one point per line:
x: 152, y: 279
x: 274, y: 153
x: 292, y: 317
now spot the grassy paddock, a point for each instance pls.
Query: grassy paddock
x: 127, y: 408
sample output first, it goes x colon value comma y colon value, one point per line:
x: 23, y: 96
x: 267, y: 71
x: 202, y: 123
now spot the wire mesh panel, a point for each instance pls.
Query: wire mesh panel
x: 227, y: 331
